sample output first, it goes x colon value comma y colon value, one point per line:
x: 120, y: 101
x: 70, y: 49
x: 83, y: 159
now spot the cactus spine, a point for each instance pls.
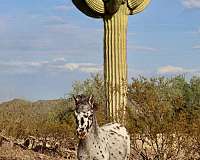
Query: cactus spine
x: 115, y: 16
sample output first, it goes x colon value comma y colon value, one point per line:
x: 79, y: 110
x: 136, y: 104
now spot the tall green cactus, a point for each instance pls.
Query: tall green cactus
x: 115, y: 16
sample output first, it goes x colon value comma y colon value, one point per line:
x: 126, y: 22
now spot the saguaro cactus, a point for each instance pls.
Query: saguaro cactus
x: 115, y: 16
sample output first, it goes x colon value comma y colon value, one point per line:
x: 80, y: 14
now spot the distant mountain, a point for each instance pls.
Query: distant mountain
x: 40, y: 106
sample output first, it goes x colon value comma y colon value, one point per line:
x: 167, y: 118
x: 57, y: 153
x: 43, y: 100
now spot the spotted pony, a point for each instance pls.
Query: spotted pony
x: 108, y: 142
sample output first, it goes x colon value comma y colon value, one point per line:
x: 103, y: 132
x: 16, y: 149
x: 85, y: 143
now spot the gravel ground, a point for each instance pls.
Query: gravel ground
x: 16, y: 153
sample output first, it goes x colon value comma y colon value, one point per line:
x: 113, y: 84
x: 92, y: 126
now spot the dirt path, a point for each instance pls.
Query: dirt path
x: 16, y: 153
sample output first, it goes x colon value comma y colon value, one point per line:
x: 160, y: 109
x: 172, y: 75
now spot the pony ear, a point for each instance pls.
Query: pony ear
x: 91, y: 100
x: 76, y: 99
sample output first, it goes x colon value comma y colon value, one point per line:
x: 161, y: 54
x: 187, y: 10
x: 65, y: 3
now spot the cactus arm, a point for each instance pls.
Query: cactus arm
x: 132, y: 4
x: 112, y: 6
x: 84, y: 8
x: 96, y: 5
x: 137, y: 6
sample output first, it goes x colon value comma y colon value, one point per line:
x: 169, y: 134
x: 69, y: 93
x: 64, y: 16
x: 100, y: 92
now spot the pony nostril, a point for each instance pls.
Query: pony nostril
x: 80, y: 129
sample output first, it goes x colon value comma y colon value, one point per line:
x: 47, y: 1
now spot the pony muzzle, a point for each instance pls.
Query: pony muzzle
x: 81, y: 135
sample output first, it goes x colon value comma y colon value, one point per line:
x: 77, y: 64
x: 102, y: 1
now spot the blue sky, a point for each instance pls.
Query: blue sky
x: 47, y: 45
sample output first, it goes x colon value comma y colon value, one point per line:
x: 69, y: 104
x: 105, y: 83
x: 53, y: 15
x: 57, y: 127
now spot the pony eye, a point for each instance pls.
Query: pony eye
x: 91, y: 116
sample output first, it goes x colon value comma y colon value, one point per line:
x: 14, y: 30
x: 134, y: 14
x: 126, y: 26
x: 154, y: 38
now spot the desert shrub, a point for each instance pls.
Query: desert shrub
x: 162, y: 116
x: 40, y: 119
